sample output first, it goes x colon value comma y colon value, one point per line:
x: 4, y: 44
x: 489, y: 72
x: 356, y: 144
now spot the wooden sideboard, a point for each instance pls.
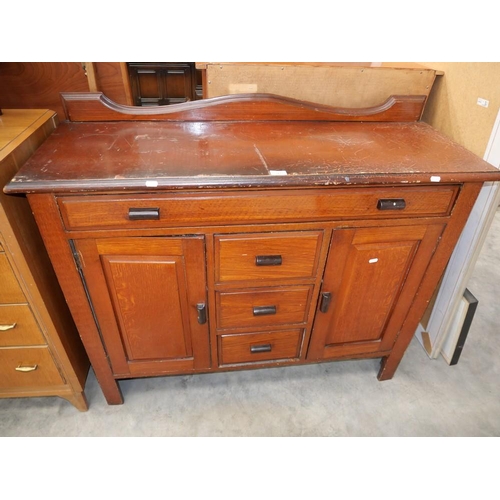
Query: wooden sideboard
x: 41, y: 353
x: 247, y: 231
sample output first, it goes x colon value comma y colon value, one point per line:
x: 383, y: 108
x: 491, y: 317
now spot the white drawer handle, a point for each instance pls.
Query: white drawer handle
x: 26, y: 368
x: 4, y: 328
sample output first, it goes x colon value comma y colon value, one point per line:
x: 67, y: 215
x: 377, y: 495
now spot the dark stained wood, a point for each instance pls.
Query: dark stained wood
x: 113, y: 81
x: 26, y: 85
x: 396, y: 192
x: 37, y: 85
x: 162, y: 83
x: 126, y: 156
x: 94, y: 106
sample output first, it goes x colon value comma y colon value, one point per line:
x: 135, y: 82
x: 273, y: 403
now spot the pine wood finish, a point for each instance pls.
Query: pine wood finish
x: 213, y: 239
x: 41, y: 353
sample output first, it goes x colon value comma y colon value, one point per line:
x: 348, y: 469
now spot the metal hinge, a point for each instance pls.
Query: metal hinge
x: 76, y: 256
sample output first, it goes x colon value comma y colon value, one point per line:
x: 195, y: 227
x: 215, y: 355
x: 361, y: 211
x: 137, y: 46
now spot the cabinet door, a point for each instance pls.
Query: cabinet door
x: 155, y: 84
x: 149, y: 300
x: 370, y: 280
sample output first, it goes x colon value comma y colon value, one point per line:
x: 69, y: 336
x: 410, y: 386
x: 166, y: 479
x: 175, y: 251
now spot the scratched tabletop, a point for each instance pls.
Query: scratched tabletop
x: 138, y: 155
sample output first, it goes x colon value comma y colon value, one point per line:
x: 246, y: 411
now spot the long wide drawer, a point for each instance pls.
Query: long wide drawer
x: 27, y: 367
x: 10, y: 291
x: 171, y: 210
x: 269, y: 307
x: 266, y: 256
x: 256, y: 347
x: 18, y: 327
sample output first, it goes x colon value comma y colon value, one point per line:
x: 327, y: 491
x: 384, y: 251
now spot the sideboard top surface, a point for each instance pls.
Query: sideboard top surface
x: 172, y: 155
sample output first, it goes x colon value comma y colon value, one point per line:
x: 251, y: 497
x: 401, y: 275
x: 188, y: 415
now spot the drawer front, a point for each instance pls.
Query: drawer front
x: 267, y: 307
x: 10, y: 291
x: 266, y: 256
x: 18, y: 326
x: 142, y: 211
x: 257, y: 347
x: 28, y: 367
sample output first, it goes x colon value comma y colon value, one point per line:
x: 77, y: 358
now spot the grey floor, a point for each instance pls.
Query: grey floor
x: 425, y: 398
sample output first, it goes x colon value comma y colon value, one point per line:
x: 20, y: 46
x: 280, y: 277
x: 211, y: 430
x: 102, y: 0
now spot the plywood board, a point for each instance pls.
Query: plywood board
x: 452, y: 106
x: 342, y: 86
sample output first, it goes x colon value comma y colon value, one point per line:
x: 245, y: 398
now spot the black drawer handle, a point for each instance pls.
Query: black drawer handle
x: 264, y: 310
x: 202, y: 313
x: 392, y: 204
x: 261, y: 348
x: 144, y: 214
x: 268, y: 260
x: 326, y: 298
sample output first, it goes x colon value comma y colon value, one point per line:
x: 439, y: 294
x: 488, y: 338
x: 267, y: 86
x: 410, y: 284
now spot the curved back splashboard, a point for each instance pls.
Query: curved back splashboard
x: 242, y: 107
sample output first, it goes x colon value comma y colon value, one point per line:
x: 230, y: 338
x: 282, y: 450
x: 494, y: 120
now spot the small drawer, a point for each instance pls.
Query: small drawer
x: 18, y: 327
x: 10, y: 291
x: 258, y: 347
x: 27, y: 367
x: 263, y: 307
x: 267, y: 256
x: 173, y: 210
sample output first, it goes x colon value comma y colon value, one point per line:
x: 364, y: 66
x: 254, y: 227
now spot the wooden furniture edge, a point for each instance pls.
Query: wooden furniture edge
x: 95, y: 106
x: 448, y: 240
x: 44, y: 207
x: 45, y: 116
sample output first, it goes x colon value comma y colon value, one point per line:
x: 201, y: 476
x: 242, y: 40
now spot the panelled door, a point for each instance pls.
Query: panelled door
x: 149, y: 299
x: 370, y: 280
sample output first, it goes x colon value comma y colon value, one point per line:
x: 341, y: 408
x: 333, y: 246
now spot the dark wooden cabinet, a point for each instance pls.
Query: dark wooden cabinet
x: 156, y: 84
x: 245, y: 232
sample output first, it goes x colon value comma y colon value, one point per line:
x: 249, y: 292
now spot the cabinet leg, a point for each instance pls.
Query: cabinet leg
x: 388, y: 367
x: 78, y: 400
x: 111, y: 390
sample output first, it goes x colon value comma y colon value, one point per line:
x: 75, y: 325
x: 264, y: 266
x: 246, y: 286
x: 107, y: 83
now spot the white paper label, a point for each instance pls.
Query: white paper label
x: 435, y: 178
x: 372, y: 261
x: 278, y: 172
x: 151, y: 184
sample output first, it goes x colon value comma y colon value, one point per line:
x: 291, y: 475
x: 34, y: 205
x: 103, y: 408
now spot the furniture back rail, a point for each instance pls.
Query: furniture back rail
x: 244, y: 107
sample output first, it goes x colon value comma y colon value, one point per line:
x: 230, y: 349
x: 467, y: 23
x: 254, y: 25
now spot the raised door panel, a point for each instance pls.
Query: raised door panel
x: 371, y: 278
x: 146, y: 293
x: 152, y: 316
